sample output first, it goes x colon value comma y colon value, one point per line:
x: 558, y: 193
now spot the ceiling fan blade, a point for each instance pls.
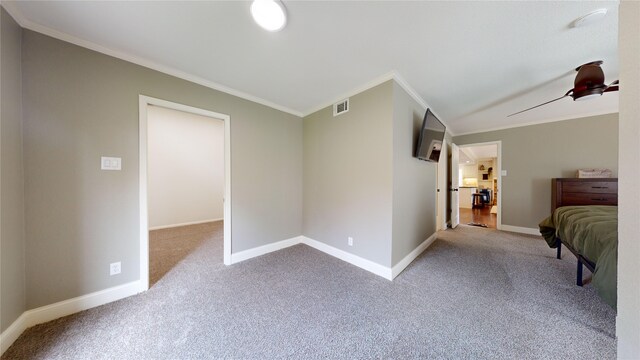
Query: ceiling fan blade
x: 589, y: 75
x: 613, y: 86
x: 548, y: 102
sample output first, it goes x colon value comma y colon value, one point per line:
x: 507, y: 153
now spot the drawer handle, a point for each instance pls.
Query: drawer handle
x: 599, y: 187
x: 599, y: 199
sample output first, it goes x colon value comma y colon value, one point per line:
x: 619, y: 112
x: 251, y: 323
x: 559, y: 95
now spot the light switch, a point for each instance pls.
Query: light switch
x: 504, y: 172
x: 110, y: 163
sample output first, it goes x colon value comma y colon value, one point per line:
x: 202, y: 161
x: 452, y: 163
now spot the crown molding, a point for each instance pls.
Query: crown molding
x: 546, y: 121
x: 28, y: 24
x: 14, y: 11
x: 362, y: 88
x: 392, y: 75
x: 414, y: 94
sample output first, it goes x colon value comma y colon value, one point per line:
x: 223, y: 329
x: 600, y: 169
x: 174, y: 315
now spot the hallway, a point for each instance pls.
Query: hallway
x: 478, y: 216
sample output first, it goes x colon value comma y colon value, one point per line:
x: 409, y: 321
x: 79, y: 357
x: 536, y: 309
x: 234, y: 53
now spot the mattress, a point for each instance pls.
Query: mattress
x: 592, y: 232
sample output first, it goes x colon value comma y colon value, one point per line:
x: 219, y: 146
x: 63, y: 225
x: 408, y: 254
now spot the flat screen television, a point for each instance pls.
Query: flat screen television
x: 430, y: 140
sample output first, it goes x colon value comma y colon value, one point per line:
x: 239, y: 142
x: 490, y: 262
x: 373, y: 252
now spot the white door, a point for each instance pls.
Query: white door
x: 455, y: 195
x: 442, y: 188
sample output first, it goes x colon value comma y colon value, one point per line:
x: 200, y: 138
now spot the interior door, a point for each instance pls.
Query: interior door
x: 442, y: 188
x: 455, y: 195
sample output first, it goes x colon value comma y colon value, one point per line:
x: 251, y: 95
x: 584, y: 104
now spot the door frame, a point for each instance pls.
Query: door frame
x: 455, y: 194
x: 499, y: 172
x: 442, y: 186
x: 144, y: 102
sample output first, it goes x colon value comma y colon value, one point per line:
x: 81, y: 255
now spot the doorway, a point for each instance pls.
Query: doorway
x: 185, y: 189
x: 442, y: 186
x: 479, y: 182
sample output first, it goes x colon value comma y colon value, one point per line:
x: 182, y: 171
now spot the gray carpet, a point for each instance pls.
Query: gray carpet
x: 475, y: 293
x: 168, y: 247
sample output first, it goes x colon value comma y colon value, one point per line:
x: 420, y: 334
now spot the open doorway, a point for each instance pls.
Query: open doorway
x: 479, y: 185
x: 184, y: 186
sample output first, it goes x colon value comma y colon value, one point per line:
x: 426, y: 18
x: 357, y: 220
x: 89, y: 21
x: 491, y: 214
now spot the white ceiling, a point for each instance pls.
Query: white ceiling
x: 479, y: 152
x: 473, y: 63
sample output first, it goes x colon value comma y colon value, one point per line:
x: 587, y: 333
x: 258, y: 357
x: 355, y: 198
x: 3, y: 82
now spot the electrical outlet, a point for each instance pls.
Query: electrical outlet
x: 350, y: 241
x: 115, y: 268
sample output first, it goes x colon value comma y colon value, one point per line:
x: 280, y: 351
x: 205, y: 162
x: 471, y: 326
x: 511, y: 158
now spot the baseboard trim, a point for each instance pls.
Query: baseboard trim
x: 63, y: 308
x: 264, y: 249
x: 184, y: 224
x: 12, y: 333
x: 519, y: 229
x: 352, y: 259
x: 400, y: 266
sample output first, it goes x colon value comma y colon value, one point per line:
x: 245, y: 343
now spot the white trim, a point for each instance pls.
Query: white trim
x: 28, y: 24
x: 499, y: 225
x: 13, y: 332
x: 184, y: 224
x: 352, y: 259
x: 392, y: 75
x: 368, y: 85
x: 264, y: 249
x: 414, y: 94
x: 375, y: 268
x: 63, y: 308
x: 144, y: 209
x: 402, y: 264
x: 520, y: 229
x: 551, y: 120
x: 145, y: 101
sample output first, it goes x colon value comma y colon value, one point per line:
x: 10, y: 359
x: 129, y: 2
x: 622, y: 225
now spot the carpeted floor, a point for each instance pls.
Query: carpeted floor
x: 167, y: 247
x: 475, y: 293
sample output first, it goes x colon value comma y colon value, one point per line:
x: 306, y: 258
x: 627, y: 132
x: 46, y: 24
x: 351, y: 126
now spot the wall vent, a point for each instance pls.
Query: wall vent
x: 341, y: 107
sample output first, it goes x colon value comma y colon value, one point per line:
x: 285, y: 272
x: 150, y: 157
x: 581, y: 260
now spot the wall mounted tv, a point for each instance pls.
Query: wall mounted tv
x: 431, y: 137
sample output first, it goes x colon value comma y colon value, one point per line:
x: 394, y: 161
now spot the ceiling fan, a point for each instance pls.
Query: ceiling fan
x: 589, y: 83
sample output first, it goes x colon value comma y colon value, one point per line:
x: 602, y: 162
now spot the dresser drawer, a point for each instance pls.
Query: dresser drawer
x: 572, y: 191
x: 603, y: 187
x: 571, y: 198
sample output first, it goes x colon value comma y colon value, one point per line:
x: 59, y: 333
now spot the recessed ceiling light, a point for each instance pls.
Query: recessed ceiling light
x: 269, y: 14
x: 590, y: 18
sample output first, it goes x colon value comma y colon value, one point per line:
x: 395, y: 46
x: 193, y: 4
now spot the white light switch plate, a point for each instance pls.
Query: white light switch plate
x: 504, y: 172
x: 110, y: 163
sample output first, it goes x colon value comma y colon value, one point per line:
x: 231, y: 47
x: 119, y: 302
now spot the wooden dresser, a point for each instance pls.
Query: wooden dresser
x: 573, y: 191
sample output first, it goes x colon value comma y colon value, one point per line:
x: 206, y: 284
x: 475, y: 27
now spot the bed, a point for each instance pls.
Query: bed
x: 585, y: 220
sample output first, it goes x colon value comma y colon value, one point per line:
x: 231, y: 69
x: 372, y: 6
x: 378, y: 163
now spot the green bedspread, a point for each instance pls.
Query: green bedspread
x: 592, y: 231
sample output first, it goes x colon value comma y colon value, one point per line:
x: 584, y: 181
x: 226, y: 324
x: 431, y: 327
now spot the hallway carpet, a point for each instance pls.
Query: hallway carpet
x: 167, y: 247
x: 475, y: 294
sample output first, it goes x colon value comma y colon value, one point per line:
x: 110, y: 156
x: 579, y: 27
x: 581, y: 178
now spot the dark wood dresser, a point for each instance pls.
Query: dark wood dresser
x: 573, y: 191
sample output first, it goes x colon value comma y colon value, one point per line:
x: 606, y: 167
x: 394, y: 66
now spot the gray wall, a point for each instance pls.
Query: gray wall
x: 12, y: 247
x: 533, y: 155
x: 81, y: 104
x: 628, y: 319
x: 348, y: 175
x: 414, y: 181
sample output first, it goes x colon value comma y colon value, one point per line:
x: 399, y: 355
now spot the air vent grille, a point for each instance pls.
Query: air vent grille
x: 341, y: 107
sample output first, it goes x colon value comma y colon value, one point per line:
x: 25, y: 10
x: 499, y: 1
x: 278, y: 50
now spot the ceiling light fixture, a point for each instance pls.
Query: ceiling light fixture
x: 590, y: 18
x: 269, y: 14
